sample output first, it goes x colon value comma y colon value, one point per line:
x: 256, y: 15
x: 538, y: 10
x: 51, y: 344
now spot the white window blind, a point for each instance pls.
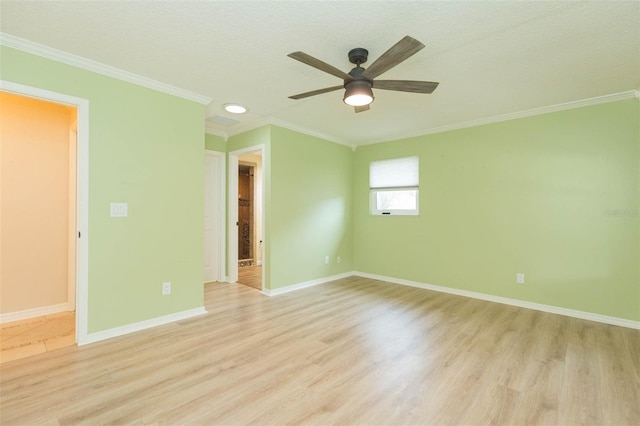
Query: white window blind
x: 394, y: 173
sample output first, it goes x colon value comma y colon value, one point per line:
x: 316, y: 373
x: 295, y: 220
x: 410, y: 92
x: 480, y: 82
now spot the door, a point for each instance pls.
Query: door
x: 213, y: 218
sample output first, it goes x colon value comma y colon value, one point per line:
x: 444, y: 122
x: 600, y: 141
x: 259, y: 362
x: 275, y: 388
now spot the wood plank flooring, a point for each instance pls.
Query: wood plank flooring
x: 20, y: 339
x: 251, y: 276
x: 351, y: 352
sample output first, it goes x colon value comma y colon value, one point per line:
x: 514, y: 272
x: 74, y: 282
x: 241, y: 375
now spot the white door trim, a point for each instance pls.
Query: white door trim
x: 232, y: 233
x: 82, y: 194
x: 220, y: 211
x: 72, y: 235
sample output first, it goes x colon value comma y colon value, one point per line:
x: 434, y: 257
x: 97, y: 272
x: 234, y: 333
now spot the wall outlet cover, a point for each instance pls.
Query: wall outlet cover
x: 119, y: 210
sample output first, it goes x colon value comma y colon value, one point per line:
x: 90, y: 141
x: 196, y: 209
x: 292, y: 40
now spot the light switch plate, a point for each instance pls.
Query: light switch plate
x: 119, y: 210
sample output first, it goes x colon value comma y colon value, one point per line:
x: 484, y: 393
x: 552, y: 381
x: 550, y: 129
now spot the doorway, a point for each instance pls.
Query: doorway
x: 76, y: 227
x: 246, y: 214
x: 38, y: 265
x: 246, y: 217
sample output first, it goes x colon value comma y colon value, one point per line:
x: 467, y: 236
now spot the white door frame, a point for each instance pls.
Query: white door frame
x: 232, y: 233
x: 82, y: 194
x: 220, y: 211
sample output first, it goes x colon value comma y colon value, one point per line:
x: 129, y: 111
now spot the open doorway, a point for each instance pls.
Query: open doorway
x: 246, y: 237
x: 71, y: 295
x: 246, y: 215
x: 249, y: 268
x: 38, y: 225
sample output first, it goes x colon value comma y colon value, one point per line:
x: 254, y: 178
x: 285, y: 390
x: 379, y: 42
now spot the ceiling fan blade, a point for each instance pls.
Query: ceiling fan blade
x: 361, y: 108
x: 406, y: 85
x: 399, y: 52
x: 317, y: 63
x: 316, y: 92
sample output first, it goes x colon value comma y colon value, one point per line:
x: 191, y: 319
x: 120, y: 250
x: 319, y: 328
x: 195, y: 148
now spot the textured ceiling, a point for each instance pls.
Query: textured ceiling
x: 491, y: 58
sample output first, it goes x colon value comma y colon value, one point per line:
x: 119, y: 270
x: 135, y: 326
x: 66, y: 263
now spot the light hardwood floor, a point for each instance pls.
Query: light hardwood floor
x: 351, y: 352
x: 251, y: 276
x: 32, y: 336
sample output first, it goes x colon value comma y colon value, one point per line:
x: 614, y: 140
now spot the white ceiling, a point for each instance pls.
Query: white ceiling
x: 491, y: 58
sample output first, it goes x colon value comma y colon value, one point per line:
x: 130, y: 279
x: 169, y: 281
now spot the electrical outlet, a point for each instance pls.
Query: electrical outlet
x: 166, y: 288
x: 326, y: 260
x: 520, y: 278
x: 338, y: 259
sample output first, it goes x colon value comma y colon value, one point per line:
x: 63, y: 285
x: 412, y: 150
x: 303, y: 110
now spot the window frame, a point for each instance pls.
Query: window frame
x: 403, y: 174
x: 373, y: 205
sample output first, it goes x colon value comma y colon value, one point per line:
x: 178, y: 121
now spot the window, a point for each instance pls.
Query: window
x: 393, y: 186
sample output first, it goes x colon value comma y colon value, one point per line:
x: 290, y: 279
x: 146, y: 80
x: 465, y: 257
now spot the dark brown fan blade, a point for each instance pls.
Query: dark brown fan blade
x: 399, y: 52
x: 316, y: 92
x: 317, y: 63
x: 406, y: 85
x: 361, y: 108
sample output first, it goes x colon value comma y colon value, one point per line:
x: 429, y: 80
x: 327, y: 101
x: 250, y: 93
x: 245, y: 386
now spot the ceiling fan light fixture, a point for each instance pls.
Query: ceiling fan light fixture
x: 235, y: 108
x: 358, y: 93
x: 359, y: 81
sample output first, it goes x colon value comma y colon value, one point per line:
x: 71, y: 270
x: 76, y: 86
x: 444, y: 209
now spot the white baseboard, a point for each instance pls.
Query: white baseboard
x: 305, y: 284
x: 507, y: 301
x: 35, y: 312
x: 142, y: 325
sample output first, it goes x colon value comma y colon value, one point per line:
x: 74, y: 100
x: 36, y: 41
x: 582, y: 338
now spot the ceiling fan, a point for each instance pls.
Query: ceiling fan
x: 359, y: 81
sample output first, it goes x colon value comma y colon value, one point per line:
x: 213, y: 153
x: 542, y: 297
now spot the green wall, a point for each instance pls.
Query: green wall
x: 310, y: 208
x: 554, y: 196
x: 215, y: 143
x: 146, y: 149
x: 307, y: 205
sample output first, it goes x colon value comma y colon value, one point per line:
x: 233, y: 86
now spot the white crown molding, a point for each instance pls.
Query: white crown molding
x: 97, y: 67
x: 621, y: 322
x: 270, y: 121
x: 27, y: 46
x: 212, y: 130
x: 246, y: 126
x: 287, y: 125
x: 515, y: 115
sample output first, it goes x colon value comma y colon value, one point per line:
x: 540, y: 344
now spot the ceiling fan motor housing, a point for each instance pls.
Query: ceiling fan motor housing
x: 358, y: 79
x: 358, y: 55
x: 356, y: 74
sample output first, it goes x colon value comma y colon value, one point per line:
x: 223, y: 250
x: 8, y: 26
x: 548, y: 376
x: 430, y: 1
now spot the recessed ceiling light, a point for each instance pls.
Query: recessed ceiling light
x: 235, y: 108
